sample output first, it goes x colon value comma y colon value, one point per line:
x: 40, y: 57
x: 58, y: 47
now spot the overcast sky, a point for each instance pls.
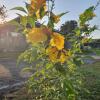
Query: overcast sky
x: 75, y: 7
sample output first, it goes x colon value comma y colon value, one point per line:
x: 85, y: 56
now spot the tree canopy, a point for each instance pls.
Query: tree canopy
x: 68, y: 27
x: 2, y: 12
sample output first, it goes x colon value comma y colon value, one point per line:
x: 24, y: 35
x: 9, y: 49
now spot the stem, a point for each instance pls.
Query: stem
x: 48, y: 11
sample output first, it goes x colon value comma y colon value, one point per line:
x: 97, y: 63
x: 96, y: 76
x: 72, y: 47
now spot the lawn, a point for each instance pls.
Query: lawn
x: 92, y: 81
x: 97, y: 51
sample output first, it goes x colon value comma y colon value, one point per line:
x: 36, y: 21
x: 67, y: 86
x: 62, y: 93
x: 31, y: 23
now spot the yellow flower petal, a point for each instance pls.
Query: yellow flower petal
x: 36, y: 35
x: 52, y: 53
x: 47, y: 31
x: 56, y: 19
x: 37, y: 14
x: 85, y: 40
x: 57, y: 41
x: 63, y: 56
x: 37, y: 4
x: 57, y: 56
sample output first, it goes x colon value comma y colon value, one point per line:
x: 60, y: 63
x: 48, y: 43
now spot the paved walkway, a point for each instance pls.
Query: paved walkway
x: 4, y: 72
x: 96, y: 57
x: 11, y: 74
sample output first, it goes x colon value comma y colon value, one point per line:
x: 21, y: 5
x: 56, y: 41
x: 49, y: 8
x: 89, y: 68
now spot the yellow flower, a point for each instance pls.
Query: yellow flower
x: 38, y: 8
x: 85, y: 40
x: 63, y: 56
x: 38, y: 14
x: 36, y: 35
x: 52, y: 52
x: 55, y: 55
x: 57, y: 41
x: 37, y: 4
x: 56, y: 18
x: 47, y: 31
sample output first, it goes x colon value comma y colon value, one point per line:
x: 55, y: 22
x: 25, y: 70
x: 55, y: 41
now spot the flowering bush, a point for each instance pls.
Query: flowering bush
x: 54, y: 66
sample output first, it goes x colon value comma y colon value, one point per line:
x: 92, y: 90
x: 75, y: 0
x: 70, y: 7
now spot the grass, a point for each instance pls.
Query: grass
x: 97, y: 51
x: 91, y: 73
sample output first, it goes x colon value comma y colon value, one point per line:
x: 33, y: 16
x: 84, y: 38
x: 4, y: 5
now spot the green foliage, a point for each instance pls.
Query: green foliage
x: 68, y: 27
x: 62, y: 14
x: 23, y: 20
x: 87, y: 15
x: 92, y: 81
x: 20, y: 9
x: 54, y: 80
x: 96, y: 50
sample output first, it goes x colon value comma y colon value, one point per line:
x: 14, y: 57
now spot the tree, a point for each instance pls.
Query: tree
x: 2, y: 12
x: 68, y: 27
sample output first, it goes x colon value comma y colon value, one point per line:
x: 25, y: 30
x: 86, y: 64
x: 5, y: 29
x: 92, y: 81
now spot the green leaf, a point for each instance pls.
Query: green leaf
x: 49, y: 65
x: 87, y: 15
x: 20, y: 9
x: 31, y: 21
x: 27, y: 5
x: 42, y: 12
x: 23, y: 20
x: 60, y: 15
x: 27, y: 69
x: 77, y: 31
x: 51, y: 24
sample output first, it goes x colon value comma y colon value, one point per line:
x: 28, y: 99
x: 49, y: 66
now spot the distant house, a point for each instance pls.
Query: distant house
x: 10, y: 40
x: 95, y: 43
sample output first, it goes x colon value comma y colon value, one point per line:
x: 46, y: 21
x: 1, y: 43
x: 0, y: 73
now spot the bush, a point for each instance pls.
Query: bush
x: 54, y: 66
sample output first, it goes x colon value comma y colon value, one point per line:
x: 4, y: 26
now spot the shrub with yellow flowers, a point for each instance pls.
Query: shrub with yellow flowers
x: 53, y: 65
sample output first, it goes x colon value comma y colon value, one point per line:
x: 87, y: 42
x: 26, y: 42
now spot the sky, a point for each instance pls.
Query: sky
x: 75, y: 8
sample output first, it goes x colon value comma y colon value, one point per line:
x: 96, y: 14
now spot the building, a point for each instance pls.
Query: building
x: 10, y: 40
